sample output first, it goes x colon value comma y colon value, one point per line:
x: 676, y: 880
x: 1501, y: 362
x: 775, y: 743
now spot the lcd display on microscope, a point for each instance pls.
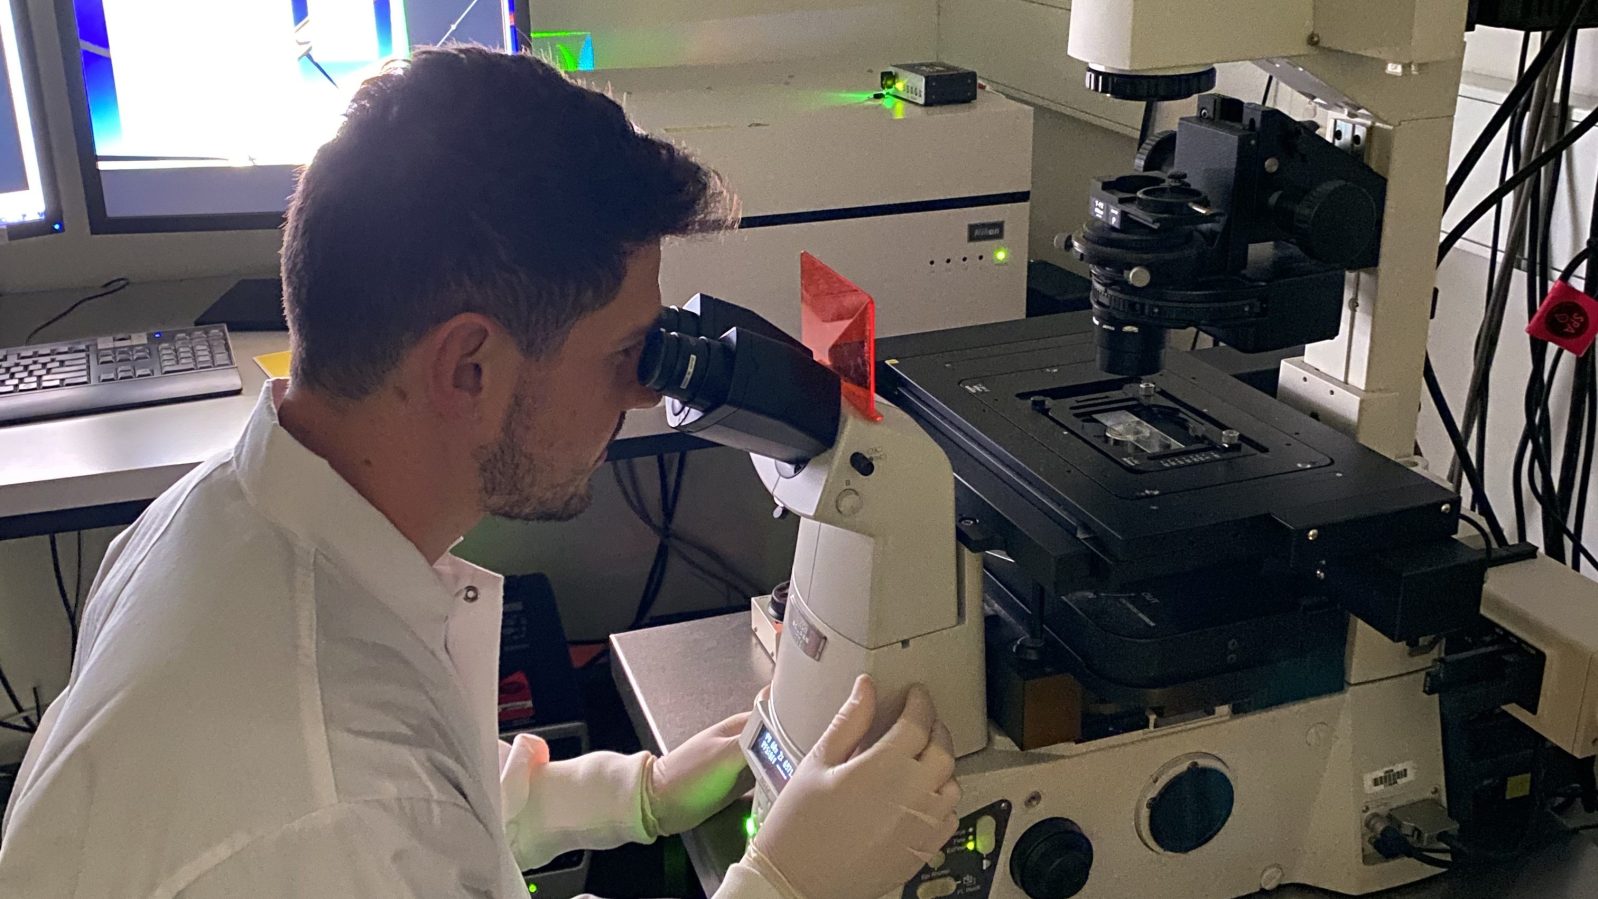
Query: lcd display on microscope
x: 773, y: 758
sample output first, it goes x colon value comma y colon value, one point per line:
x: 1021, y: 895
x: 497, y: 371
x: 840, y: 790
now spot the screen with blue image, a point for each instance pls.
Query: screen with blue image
x: 22, y: 195
x: 206, y: 107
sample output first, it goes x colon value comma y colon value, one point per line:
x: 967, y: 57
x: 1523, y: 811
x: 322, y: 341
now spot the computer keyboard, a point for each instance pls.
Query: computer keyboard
x: 80, y: 377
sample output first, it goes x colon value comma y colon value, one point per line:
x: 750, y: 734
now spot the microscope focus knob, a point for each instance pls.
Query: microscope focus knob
x: 1336, y: 222
x: 1052, y: 860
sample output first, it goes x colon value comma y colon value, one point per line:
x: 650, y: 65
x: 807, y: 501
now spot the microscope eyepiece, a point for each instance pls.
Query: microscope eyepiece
x: 680, y: 321
x: 733, y: 378
x: 693, y: 370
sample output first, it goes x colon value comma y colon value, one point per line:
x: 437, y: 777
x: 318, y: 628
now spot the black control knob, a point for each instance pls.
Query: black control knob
x: 1336, y: 222
x: 863, y: 464
x: 1052, y: 860
x: 1157, y: 154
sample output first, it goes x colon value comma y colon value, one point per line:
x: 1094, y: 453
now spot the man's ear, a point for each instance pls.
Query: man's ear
x: 470, y: 366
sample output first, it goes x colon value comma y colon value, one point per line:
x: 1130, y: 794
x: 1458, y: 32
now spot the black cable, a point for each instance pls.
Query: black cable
x: 1440, y: 402
x: 702, y: 560
x: 1565, y: 530
x: 1581, y: 386
x: 729, y: 577
x: 77, y: 580
x: 1535, y: 436
x: 657, y: 568
x: 1539, y: 436
x: 1537, y: 164
x: 16, y: 701
x: 1522, y: 88
x: 1569, y: 271
x: 1486, y: 539
x: 1523, y: 467
x: 1589, y: 447
x: 1429, y: 860
x: 1511, y: 153
x: 108, y: 288
x: 1265, y: 98
x: 669, y: 494
x: 61, y: 587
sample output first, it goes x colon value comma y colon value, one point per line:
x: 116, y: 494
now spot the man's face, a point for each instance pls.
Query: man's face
x: 570, y: 404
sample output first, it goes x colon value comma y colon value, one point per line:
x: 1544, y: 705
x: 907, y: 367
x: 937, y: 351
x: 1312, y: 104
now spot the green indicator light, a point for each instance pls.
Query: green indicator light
x: 971, y: 845
x: 1001, y: 255
x: 750, y: 827
x: 532, y: 888
x: 899, y: 85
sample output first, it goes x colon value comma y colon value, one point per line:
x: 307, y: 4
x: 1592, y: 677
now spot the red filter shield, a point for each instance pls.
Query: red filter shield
x: 1567, y: 319
x: 838, y: 323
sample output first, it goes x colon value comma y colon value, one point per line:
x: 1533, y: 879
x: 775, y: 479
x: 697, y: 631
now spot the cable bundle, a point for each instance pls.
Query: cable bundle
x: 1556, y: 472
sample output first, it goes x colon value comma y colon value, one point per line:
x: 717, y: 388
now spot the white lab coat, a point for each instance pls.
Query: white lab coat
x: 276, y: 696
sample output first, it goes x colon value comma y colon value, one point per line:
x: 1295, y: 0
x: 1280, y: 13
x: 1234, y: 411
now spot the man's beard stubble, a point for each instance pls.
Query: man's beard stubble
x: 518, y: 485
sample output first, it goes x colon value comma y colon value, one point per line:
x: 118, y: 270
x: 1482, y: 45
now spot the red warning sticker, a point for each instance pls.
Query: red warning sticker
x: 1567, y: 319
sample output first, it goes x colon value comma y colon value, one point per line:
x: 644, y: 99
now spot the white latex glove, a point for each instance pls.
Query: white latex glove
x: 854, y: 822
x: 696, y: 780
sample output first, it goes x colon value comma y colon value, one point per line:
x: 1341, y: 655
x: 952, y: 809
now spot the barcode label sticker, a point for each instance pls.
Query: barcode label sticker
x: 1389, y: 778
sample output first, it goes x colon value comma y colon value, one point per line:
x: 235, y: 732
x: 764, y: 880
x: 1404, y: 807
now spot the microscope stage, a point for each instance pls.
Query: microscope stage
x: 1173, y: 472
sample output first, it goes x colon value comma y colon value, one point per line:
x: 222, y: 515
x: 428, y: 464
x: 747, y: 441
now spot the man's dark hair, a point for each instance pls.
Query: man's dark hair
x: 473, y: 181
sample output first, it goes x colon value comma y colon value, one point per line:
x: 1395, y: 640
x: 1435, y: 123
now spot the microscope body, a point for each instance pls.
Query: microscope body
x: 880, y: 586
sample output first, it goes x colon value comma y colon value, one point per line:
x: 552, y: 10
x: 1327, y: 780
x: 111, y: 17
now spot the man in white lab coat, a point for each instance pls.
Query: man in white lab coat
x: 286, y: 685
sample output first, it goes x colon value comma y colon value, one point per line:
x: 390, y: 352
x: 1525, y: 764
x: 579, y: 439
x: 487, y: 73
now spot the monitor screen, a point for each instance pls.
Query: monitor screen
x: 195, y: 114
x: 27, y: 204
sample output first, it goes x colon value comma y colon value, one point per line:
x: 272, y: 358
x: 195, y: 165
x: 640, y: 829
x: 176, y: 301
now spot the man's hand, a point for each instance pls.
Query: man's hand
x: 697, y: 779
x: 857, y: 822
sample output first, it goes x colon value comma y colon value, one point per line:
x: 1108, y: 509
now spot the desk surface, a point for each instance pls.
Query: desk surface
x: 117, y: 461
x: 679, y: 679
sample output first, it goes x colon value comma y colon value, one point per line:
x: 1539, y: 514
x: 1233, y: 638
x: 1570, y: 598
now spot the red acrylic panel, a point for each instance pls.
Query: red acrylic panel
x: 838, y: 324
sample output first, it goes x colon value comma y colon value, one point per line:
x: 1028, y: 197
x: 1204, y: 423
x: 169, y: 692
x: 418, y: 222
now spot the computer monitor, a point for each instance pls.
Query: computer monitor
x: 28, y: 203
x: 193, y: 115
